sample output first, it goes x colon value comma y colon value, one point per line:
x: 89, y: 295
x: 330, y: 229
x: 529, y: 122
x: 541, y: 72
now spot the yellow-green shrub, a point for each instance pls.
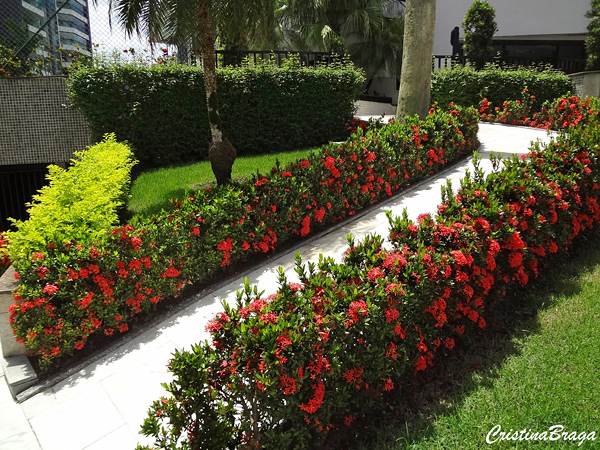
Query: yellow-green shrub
x: 80, y: 204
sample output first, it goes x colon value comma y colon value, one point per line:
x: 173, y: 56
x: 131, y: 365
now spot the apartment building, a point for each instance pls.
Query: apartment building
x: 62, y: 28
x: 528, y: 31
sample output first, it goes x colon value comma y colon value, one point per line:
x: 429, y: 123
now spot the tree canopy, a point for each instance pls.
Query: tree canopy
x: 592, y: 42
x: 479, y: 25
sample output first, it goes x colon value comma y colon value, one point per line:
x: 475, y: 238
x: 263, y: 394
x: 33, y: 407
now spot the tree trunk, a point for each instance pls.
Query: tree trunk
x: 415, y: 78
x: 221, y: 153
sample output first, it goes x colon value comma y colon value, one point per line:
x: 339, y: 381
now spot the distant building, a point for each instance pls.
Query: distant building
x: 528, y: 30
x: 535, y: 29
x: 66, y: 34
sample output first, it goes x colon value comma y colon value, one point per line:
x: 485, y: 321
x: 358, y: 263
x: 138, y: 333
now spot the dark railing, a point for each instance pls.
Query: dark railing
x: 17, y: 186
x: 236, y: 57
x: 566, y: 65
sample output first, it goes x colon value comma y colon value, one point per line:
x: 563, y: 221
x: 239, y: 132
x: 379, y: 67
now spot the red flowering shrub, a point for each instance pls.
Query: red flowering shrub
x: 101, y: 279
x: 355, y: 124
x: 4, y: 260
x: 566, y: 112
x: 333, y: 346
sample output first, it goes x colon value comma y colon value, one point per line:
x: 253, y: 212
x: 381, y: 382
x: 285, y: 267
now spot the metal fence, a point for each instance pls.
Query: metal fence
x: 441, y: 62
x: 48, y: 35
x: 44, y: 37
x: 236, y: 57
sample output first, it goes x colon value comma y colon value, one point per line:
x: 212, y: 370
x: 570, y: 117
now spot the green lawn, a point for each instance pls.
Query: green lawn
x: 153, y: 190
x: 538, y: 366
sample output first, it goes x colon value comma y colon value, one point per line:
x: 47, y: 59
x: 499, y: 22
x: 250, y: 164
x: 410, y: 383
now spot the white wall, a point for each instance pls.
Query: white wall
x: 514, y: 18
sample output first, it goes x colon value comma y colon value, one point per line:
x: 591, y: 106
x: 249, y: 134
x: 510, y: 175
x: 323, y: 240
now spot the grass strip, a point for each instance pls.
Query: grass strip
x: 153, y: 191
x: 538, y: 367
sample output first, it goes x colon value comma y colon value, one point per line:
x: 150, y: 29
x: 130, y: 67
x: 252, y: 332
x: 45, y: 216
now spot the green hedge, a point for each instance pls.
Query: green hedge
x: 80, y: 204
x: 161, y: 110
x: 466, y: 86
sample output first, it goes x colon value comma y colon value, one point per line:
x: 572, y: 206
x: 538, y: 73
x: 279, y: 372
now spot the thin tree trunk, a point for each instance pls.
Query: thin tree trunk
x: 221, y: 153
x: 207, y: 42
x: 415, y: 78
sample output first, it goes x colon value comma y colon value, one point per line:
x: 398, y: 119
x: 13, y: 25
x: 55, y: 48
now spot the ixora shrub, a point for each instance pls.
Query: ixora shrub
x: 563, y: 113
x: 73, y: 289
x: 291, y: 370
x: 466, y: 86
x: 161, y: 109
x: 4, y: 259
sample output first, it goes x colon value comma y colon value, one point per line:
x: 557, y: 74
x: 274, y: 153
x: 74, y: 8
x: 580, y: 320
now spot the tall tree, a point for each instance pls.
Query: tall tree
x: 369, y: 30
x: 194, y: 21
x: 415, y: 80
x: 592, y: 42
x: 479, y: 26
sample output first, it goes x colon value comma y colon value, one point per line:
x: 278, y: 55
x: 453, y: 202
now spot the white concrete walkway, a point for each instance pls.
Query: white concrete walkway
x: 103, y: 405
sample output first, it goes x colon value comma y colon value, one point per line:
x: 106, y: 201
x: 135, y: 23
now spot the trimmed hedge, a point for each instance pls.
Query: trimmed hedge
x: 97, y: 287
x: 466, y: 86
x: 161, y: 109
x: 290, y: 370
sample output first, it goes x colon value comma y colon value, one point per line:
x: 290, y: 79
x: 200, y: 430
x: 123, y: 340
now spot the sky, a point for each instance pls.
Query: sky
x: 111, y: 38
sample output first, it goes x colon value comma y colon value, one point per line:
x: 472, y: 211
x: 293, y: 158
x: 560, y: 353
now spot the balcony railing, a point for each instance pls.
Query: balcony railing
x: 566, y: 65
x: 236, y: 57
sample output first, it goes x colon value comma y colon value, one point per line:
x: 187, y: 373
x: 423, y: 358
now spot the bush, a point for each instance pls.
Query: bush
x: 466, y: 86
x: 290, y: 370
x: 162, y: 111
x: 592, y: 41
x: 563, y: 113
x: 4, y: 260
x: 479, y: 26
x: 70, y: 291
x: 79, y: 204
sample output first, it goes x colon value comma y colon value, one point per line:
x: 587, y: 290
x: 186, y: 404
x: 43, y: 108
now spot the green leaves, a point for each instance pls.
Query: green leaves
x: 592, y: 42
x: 466, y: 86
x: 479, y: 26
x: 161, y: 110
x: 79, y: 204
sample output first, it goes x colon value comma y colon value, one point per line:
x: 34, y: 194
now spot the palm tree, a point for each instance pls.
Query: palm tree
x: 415, y: 81
x: 370, y: 30
x: 193, y: 21
x: 381, y: 51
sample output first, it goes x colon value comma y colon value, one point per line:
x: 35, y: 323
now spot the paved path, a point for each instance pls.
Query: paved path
x: 103, y: 405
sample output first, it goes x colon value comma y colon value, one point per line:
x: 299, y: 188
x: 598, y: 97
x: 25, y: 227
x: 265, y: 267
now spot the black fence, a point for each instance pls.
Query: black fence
x: 17, y: 186
x: 236, y: 57
x: 566, y: 65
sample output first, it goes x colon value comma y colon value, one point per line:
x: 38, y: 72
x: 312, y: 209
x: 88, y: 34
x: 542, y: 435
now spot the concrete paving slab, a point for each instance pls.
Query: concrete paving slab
x: 120, y: 438
x: 12, y: 421
x: 77, y: 422
x: 38, y: 403
x: 24, y: 440
x: 132, y: 390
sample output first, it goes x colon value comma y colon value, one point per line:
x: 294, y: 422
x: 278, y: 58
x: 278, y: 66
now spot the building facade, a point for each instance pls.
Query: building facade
x: 526, y: 28
x: 62, y: 30
x: 528, y: 31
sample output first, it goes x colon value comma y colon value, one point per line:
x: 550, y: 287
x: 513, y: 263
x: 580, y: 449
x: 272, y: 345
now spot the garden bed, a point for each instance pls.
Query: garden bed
x: 288, y: 370
x: 94, y: 286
